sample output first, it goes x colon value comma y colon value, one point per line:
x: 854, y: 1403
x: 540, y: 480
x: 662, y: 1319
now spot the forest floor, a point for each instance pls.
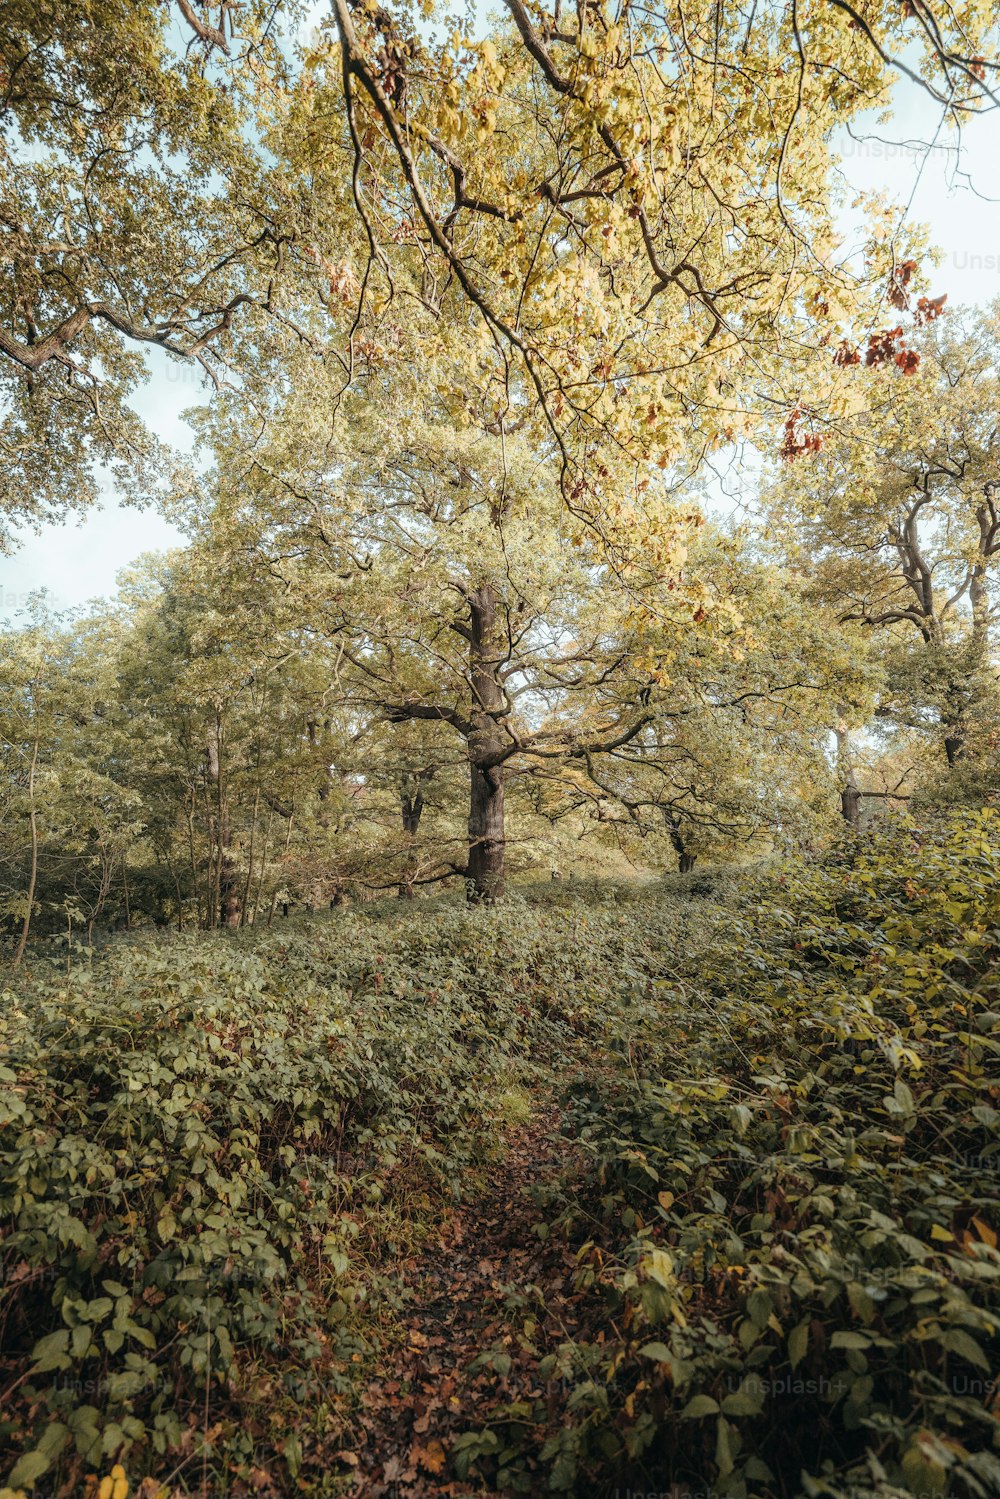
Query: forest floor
x: 659, y: 1190
x: 492, y: 1280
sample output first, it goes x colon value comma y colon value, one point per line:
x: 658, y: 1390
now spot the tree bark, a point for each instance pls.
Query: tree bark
x: 485, y: 748
x: 486, y: 870
x: 411, y: 806
x: 686, y: 860
x: 850, y: 794
x: 958, y: 705
x: 244, y: 912
x: 33, y: 880
x: 228, y: 896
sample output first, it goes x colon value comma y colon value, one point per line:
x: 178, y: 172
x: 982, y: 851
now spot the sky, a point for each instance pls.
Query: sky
x: 956, y: 192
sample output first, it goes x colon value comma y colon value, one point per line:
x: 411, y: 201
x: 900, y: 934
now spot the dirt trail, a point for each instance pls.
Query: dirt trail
x: 460, y: 1309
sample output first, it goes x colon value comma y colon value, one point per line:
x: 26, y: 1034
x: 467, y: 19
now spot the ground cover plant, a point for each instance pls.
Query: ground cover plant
x: 735, y: 1151
x: 217, y: 1149
x: 790, y: 1270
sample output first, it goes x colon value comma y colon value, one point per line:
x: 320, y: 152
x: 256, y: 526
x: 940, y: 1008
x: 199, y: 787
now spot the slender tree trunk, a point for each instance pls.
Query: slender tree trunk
x: 227, y: 895
x: 104, y: 890
x: 193, y: 858
x: 212, y: 863
x: 180, y: 898
x: 274, y: 897
x: 33, y: 878
x: 244, y: 913
x: 850, y: 794
x: 411, y: 804
x: 263, y: 867
x: 686, y: 860
x: 485, y: 747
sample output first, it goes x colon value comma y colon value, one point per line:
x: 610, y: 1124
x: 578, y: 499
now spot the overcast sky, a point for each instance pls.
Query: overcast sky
x: 957, y: 196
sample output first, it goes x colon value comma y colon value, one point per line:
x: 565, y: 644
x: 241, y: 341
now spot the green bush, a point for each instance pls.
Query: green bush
x: 214, y: 1149
x: 795, y: 1279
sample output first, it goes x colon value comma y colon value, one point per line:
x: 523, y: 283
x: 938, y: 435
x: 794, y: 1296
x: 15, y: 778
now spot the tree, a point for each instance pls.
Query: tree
x: 70, y: 820
x: 135, y: 214
x: 433, y: 553
x: 230, y: 743
x: 628, y: 206
x: 734, y: 757
x: 632, y: 205
x: 896, y: 523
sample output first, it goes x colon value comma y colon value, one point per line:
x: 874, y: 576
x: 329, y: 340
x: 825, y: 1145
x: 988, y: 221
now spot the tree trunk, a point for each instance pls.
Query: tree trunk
x: 486, y: 744
x: 228, y: 896
x: 850, y: 794
x: 263, y: 867
x: 960, y: 703
x: 33, y: 880
x: 486, y: 835
x: 850, y: 806
x: 229, y: 893
x: 685, y: 858
x: 411, y: 806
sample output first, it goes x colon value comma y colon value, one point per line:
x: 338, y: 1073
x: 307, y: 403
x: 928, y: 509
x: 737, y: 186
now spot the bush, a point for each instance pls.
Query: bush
x: 214, y: 1152
x: 795, y: 1283
x: 214, y: 1149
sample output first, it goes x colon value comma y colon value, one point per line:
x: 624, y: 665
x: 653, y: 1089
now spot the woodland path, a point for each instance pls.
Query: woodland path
x: 490, y: 1285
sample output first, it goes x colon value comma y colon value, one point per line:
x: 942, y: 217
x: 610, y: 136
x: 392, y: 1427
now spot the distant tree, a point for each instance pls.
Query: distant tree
x: 735, y: 756
x: 894, y: 521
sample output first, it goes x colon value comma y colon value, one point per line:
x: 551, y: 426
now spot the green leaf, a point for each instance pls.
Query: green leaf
x: 758, y: 1470
x: 724, y: 1448
x: 957, y: 1340
x: 798, y: 1343
x: 850, y: 1340
x: 903, y: 1096
x: 659, y: 1266
x: 50, y: 1352
x: 698, y: 1406
x: 54, y: 1439
x: 759, y: 1308
x: 26, y: 1473
x: 741, y: 1403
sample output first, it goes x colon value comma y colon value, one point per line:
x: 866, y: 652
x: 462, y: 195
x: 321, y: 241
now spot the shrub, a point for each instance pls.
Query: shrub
x: 214, y: 1149
x: 794, y: 1285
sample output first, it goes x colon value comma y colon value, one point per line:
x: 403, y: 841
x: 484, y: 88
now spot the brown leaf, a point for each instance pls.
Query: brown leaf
x: 431, y: 1458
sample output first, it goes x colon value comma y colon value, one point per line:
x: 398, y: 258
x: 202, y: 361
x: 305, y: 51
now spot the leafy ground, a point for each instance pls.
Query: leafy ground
x: 686, y: 1187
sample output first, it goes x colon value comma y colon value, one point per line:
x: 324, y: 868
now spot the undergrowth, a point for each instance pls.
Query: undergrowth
x: 787, y: 1240
x: 214, y: 1152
